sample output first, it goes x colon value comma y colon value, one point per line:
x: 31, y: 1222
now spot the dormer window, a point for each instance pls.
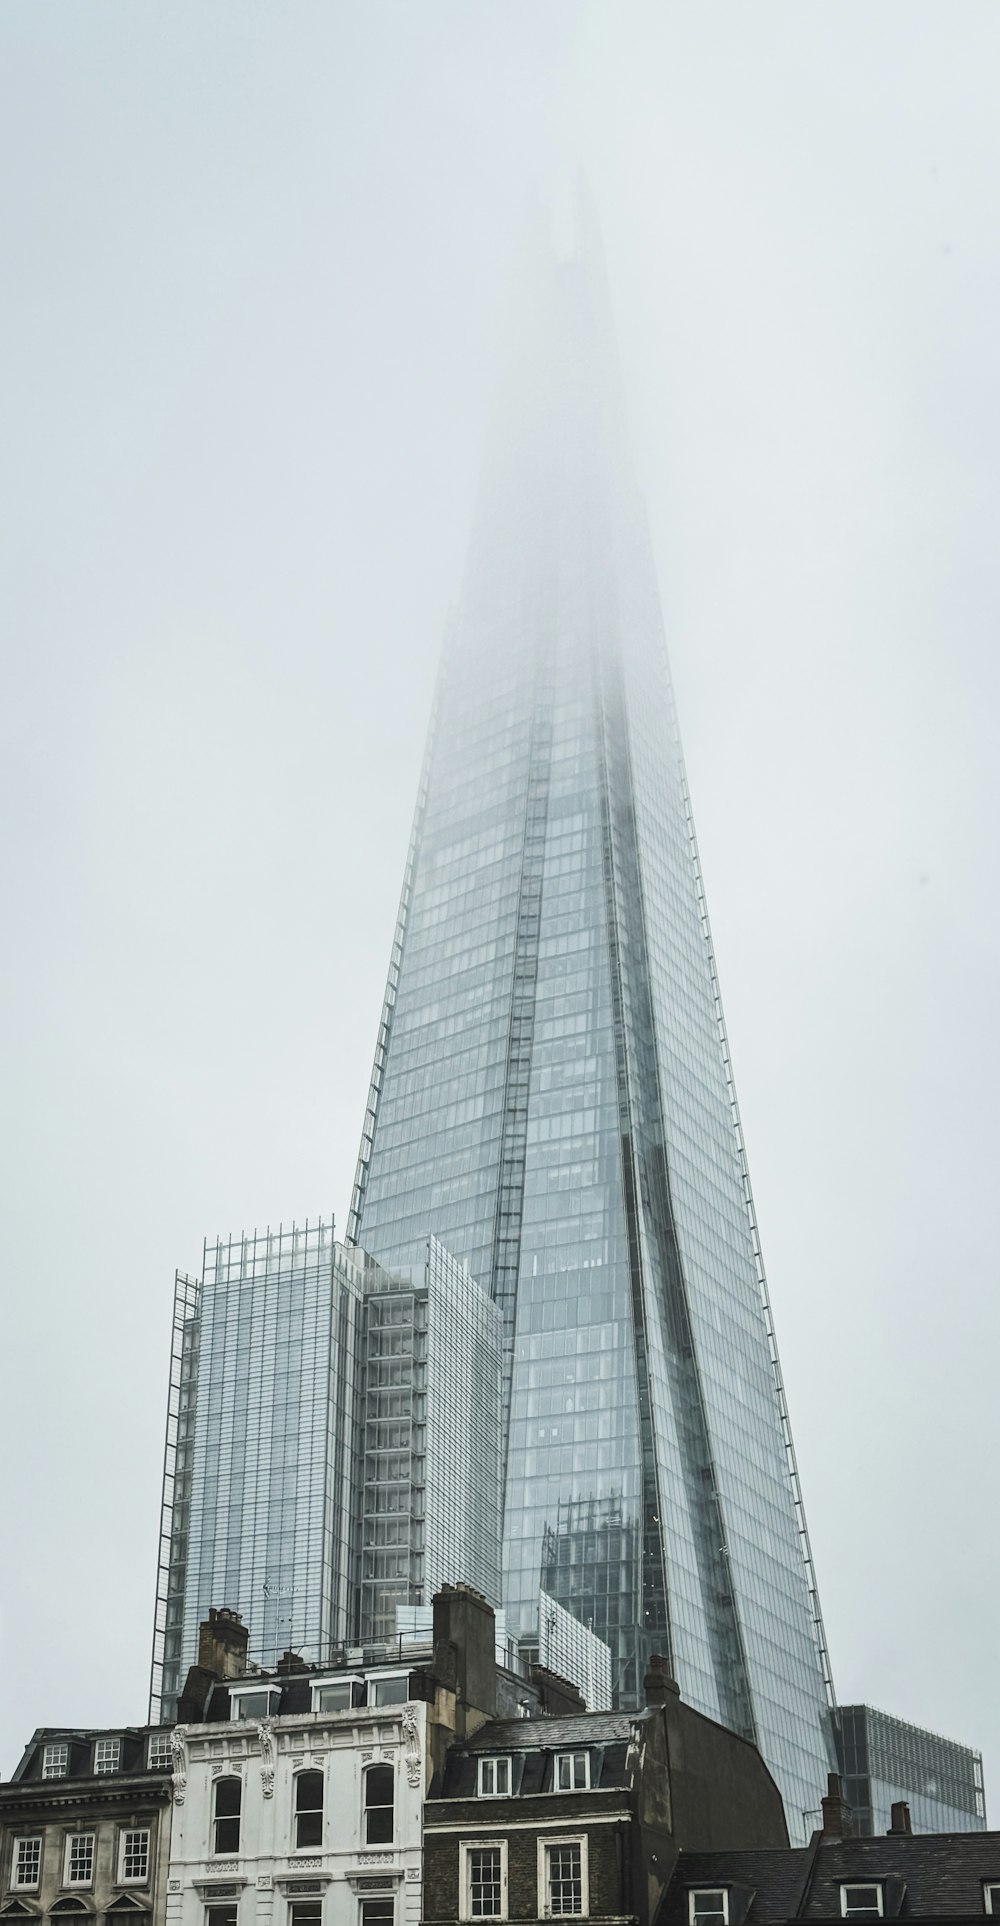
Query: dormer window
x: 572, y: 1771
x: 254, y: 1702
x: 337, y: 1695
x: 391, y: 1689
x: 708, y: 1906
x: 861, y: 1902
x: 107, y: 1754
x: 55, y: 1761
x: 494, y: 1778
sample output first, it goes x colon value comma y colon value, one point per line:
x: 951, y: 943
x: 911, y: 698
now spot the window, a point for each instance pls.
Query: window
x: 158, y: 1753
x: 133, y: 1855
x: 309, y: 1809
x: 259, y: 1704
x: 494, y: 1778
x: 337, y: 1695
x: 107, y: 1753
x: 55, y: 1762
x: 991, y: 1897
x: 861, y: 1902
x: 708, y: 1903
x: 220, y: 1916
x: 572, y: 1771
x: 390, y: 1691
x: 484, y: 1881
x: 378, y: 1805
x: 378, y: 1912
x: 27, y: 1862
x: 305, y: 1912
x: 563, y: 1878
x: 228, y: 1798
x: 79, y: 1867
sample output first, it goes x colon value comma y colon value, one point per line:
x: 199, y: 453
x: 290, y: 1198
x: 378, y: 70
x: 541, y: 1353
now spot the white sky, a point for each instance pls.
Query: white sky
x: 254, y: 258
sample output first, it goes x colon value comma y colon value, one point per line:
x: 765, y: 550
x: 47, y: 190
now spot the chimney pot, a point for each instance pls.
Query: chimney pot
x: 900, y: 1817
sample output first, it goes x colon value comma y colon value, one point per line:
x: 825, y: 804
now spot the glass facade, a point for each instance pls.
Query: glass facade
x: 884, y: 1760
x: 311, y: 1484
x: 552, y: 1093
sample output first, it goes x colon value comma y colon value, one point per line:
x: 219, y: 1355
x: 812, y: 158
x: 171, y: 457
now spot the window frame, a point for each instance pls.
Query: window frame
x: 990, y: 1886
x: 225, y: 1818
x: 308, y: 1812
x: 133, y: 1832
x: 377, y: 1765
x: 374, y: 1679
x: 111, y: 1759
x: 365, y: 1900
x: 875, y: 1886
x: 60, y: 1765
x: 494, y: 1759
x: 546, y: 1843
x: 466, y: 1848
x: 26, y: 1839
x: 239, y: 1694
x: 705, y: 1892
x: 75, y: 1839
x: 351, y: 1679
x: 569, y: 1759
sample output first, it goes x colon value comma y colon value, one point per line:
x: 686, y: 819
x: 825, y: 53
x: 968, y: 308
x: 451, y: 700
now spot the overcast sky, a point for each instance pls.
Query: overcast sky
x: 253, y: 261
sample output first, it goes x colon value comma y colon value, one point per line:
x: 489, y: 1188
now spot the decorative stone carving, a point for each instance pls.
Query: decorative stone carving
x: 265, y: 1739
x: 411, y: 1734
x: 178, y: 1753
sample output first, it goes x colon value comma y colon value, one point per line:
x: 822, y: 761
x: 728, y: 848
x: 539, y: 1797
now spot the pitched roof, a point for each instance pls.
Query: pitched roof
x: 532, y: 1735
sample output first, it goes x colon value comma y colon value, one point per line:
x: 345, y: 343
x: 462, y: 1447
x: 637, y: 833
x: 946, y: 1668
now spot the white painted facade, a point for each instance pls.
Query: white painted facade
x: 268, y: 1877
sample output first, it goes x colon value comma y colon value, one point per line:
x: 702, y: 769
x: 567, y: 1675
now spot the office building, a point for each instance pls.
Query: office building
x: 312, y: 1482
x: 552, y: 1094
x: 884, y: 1761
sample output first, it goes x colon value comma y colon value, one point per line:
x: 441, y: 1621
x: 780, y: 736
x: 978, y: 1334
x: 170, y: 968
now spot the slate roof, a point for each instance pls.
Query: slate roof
x: 533, y: 1735
x: 943, y: 1874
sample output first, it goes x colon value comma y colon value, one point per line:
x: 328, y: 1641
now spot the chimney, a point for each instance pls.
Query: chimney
x: 222, y: 1643
x: 899, y: 1818
x: 658, y: 1685
x: 465, y: 1623
x: 836, y: 1811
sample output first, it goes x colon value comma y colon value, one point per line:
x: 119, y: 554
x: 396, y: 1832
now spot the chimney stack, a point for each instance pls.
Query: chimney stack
x: 899, y: 1820
x: 836, y: 1811
x: 658, y: 1684
x: 222, y: 1643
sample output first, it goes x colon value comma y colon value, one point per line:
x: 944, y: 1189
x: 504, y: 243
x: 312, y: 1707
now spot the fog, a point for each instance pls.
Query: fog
x: 255, y: 260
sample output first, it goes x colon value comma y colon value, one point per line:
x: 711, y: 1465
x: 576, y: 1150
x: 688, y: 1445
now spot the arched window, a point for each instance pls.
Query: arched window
x: 309, y: 1809
x: 378, y: 1805
x: 228, y: 1798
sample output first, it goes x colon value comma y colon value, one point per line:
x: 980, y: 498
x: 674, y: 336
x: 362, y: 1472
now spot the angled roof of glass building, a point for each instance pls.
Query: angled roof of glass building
x: 552, y: 1094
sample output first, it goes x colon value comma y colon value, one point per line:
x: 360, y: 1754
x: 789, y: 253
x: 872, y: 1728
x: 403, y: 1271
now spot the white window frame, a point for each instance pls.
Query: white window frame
x: 545, y: 1843
x: 76, y: 1839
x: 569, y: 1760
x: 257, y: 1690
x: 134, y: 1832
x: 26, y: 1885
x: 107, y: 1755
x: 350, y: 1679
x: 849, y: 1886
x: 495, y: 1759
x: 375, y: 1679
x: 466, y: 1848
x: 163, y: 1741
x: 708, y: 1892
x: 990, y: 1886
x: 55, y: 1760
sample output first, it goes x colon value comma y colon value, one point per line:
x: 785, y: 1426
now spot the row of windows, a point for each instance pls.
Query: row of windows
x: 562, y: 1879
x: 78, y: 1861
x: 107, y: 1754
x: 709, y: 1905
x: 309, y: 1912
x: 328, y: 1695
x: 571, y: 1773
x: 377, y: 1809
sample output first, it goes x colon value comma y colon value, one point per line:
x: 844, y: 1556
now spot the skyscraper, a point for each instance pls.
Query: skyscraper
x: 552, y: 1093
x: 311, y: 1482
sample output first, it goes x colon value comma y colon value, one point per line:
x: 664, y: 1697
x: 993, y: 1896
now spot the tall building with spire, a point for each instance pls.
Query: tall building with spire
x: 552, y: 1095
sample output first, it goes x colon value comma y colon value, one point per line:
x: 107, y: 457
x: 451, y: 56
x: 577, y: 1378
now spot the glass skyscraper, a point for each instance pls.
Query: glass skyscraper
x: 552, y: 1094
x: 883, y: 1760
x: 312, y: 1482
